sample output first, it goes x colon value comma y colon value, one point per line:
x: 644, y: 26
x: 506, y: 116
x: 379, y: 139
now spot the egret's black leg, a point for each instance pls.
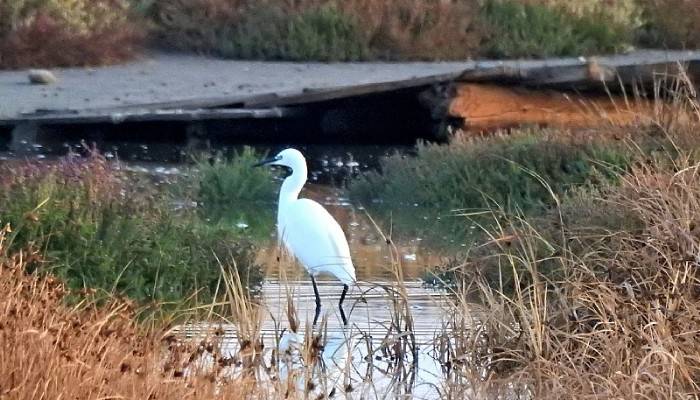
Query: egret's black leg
x: 340, y: 304
x: 318, y: 300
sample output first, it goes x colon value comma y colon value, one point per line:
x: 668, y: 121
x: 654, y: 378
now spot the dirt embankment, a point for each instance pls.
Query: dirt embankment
x: 489, y: 107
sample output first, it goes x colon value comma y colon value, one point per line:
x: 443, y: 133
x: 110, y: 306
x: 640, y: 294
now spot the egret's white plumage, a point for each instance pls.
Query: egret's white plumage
x: 307, y: 230
x: 310, y: 233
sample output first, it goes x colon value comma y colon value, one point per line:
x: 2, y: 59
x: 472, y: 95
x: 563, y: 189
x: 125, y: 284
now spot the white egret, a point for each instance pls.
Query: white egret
x: 308, y: 231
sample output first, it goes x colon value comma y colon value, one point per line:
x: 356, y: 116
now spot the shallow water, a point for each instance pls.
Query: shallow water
x: 360, y: 357
x: 361, y: 348
x: 328, y: 163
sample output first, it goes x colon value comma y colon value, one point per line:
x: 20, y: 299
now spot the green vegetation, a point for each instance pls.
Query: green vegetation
x: 534, y: 196
x: 330, y: 30
x: 670, y: 24
x: 318, y: 30
x: 231, y: 193
x: 473, y: 175
x: 410, y: 29
x: 80, y: 32
x: 98, y: 227
x: 323, y: 34
x: 264, y: 31
x: 531, y: 30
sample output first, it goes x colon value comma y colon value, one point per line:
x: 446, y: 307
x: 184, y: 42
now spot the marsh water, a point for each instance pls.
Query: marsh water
x: 362, y: 359
x: 372, y: 357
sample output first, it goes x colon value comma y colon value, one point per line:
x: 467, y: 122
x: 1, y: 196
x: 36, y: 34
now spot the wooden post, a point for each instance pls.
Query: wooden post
x: 197, y: 139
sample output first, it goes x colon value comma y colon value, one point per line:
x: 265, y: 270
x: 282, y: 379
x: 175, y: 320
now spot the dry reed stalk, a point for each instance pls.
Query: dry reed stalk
x: 400, y: 340
x: 247, y: 316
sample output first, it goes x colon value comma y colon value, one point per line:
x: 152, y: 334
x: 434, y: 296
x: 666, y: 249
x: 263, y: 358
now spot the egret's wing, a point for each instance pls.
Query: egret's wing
x: 312, y: 235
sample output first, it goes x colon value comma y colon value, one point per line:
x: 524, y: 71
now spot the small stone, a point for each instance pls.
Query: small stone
x: 42, y: 77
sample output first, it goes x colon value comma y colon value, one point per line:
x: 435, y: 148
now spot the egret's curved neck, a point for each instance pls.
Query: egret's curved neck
x: 291, y: 187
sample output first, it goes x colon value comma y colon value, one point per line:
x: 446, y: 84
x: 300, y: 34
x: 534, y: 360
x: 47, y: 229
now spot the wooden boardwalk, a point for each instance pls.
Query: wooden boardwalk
x: 196, y: 90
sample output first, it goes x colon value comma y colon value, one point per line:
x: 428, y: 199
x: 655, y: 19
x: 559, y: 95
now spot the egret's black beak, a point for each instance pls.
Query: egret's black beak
x: 267, y: 161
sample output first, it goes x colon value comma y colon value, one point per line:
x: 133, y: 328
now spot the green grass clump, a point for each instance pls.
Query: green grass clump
x: 233, y: 193
x: 265, y: 32
x: 97, y: 227
x: 322, y: 34
x: 534, y: 30
x: 424, y: 193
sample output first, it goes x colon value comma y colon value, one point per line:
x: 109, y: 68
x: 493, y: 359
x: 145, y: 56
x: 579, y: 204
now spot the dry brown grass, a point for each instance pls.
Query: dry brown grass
x: 593, y: 313
x: 622, y: 322
x: 60, y: 344
x: 50, y: 349
x: 81, y: 33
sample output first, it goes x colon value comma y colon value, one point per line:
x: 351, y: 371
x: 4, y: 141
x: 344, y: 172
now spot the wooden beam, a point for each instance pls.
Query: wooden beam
x: 586, y: 72
x: 287, y: 98
x: 320, y: 95
x: 119, y: 116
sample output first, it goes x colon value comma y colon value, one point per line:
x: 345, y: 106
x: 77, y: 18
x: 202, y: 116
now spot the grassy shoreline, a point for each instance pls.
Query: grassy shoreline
x: 99, y: 227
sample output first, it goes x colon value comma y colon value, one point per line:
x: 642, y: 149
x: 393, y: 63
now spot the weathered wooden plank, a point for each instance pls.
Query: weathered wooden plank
x: 596, y: 70
x: 319, y: 95
x: 284, y: 98
x: 234, y: 101
x: 571, y: 72
x: 117, y: 117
